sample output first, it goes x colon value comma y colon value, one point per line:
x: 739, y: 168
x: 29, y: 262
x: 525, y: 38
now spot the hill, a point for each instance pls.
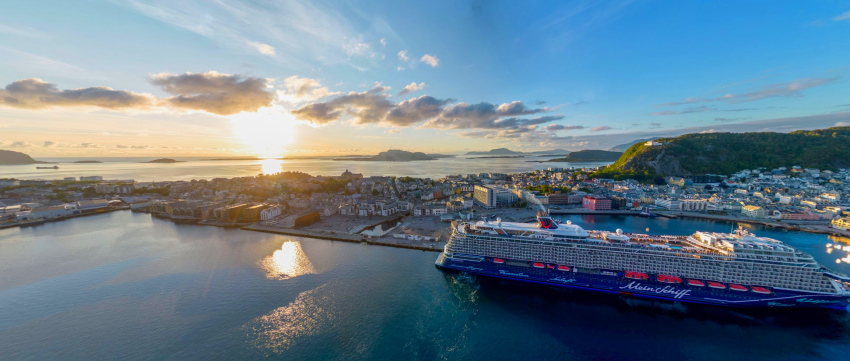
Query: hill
x: 589, y: 156
x: 165, y: 160
x: 8, y: 157
x: 727, y: 153
x: 623, y: 147
x: 394, y: 155
x: 498, y: 151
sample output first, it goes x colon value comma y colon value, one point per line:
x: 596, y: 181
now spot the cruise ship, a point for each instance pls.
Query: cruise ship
x: 735, y: 269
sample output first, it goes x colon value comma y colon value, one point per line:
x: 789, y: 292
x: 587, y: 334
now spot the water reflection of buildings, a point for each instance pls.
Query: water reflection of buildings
x: 287, y: 262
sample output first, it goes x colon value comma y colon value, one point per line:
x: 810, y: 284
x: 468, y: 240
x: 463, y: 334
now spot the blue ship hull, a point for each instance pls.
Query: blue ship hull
x: 613, y: 282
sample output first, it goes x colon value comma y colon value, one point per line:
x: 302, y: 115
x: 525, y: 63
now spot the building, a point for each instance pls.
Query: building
x: 753, y: 211
x: 490, y: 196
x: 841, y: 223
x: 596, y: 203
x: 270, y: 213
x: 652, y: 143
x: 91, y: 178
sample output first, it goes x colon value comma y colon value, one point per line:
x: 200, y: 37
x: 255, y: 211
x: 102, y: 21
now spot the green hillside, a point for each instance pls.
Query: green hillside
x: 727, y: 153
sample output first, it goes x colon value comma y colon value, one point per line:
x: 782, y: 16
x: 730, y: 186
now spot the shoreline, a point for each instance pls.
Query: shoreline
x: 350, y: 238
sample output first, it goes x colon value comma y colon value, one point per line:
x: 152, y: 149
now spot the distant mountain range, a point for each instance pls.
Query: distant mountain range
x: 8, y: 157
x: 590, y: 156
x: 394, y: 155
x: 506, y: 151
x: 727, y: 153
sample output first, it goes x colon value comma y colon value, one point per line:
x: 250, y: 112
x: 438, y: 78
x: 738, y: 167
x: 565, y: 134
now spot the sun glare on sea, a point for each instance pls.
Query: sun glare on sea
x: 266, y: 132
x: 287, y: 262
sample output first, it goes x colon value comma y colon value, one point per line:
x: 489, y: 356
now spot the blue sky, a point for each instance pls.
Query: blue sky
x: 292, y: 77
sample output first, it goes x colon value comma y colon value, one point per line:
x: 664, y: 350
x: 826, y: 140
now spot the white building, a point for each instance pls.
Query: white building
x: 490, y: 196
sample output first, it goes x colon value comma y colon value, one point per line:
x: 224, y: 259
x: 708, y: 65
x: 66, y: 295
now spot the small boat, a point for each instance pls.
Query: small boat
x: 645, y: 213
x: 636, y: 275
x: 668, y: 279
x: 716, y: 285
x: 696, y: 283
x: 735, y: 287
x: 761, y: 290
x: 498, y: 260
x: 563, y: 268
x: 538, y: 265
x: 53, y: 167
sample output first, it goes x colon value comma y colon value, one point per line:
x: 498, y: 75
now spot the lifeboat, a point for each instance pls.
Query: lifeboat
x: 761, y: 290
x: 498, y: 260
x: 716, y: 285
x: 538, y: 265
x: 696, y: 283
x: 735, y: 287
x: 563, y: 268
x: 636, y: 275
x: 550, y: 266
x: 668, y: 279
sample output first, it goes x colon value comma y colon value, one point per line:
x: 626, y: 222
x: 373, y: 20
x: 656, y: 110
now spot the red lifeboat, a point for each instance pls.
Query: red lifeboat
x: 563, y: 268
x: 636, y: 275
x: 538, y: 265
x: 761, y: 290
x: 668, y: 279
x: 716, y: 285
x: 498, y: 260
x: 696, y: 283
x: 550, y: 266
x: 735, y: 287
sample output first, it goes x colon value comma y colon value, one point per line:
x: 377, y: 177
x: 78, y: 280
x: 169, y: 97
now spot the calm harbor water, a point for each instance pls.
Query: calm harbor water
x: 194, y: 168
x: 126, y: 286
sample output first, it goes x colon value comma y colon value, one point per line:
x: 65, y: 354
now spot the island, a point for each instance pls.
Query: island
x: 497, y: 151
x: 8, y: 157
x: 88, y: 161
x: 165, y: 160
x: 394, y: 155
x: 589, y: 155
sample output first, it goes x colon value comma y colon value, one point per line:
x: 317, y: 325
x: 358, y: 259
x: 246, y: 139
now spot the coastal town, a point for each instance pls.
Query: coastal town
x: 417, y: 212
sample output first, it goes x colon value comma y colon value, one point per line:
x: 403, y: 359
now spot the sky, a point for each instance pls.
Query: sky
x: 291, y: 78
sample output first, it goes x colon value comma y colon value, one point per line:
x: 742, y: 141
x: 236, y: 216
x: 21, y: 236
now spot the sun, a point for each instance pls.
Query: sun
x: 266, y: 132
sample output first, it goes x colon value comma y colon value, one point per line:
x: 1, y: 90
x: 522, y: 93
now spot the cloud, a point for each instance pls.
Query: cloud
x: 654, y: 125
x: 708, y: 131
x: 384, y: 41
x: 842, y: 124
x: 394, y: 131
x: 600, y: 128
x: 842, y: 17
x: 699, y: 109
x: 410, y: 88
x: 49, y: 143
x: 264, y: 49
x: 214, y: 92
x: 726, y: 120
x: 34, y: 93
x: 298, y: 88
x: 20, y: 144
x: 788, y: 89
x: 558, y: 127
x: 400, y: 68
x: 366, y: 107
x: 430, y: 60
x: 374, y: 107
x: 581, y: 103
x: 416, y: 110
x: 402, y: 55
x: 481, y: 115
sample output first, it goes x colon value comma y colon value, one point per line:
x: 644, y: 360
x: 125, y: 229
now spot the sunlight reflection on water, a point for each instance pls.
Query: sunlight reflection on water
x: 287, y: 262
